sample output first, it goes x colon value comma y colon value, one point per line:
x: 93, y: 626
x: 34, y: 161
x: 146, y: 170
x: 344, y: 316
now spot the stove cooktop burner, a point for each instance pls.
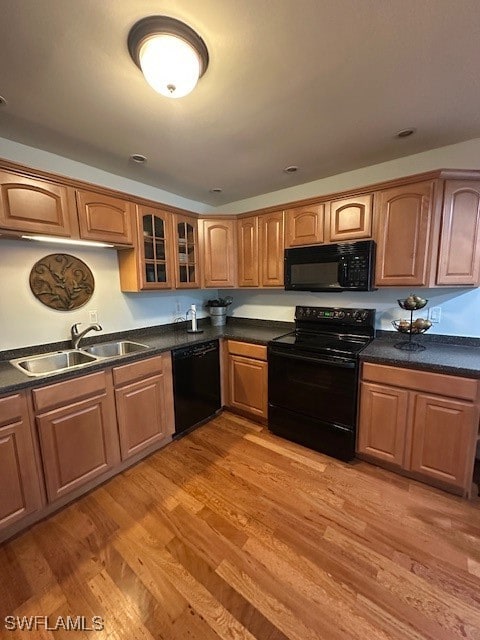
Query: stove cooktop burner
x: 330, y: 331
x: 323, y: 342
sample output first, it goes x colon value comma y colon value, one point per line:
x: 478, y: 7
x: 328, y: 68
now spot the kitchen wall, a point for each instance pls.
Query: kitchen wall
x: 464, y: 155
x: 460, y: 308
x: 46, y: 161
x: 24, y: 321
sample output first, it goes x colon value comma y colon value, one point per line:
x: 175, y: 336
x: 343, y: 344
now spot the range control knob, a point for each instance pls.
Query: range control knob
x: 340, y: 314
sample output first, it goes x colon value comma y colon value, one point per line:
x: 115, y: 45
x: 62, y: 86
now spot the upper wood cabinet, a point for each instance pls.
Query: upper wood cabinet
x: 350, y: 219
x: 186, y: 252
x: 104, y: 218
x: 36, y: 206
x: 247, y: 251
x: 404, y: 217
x: 271, y: 249
x: 304, y: 225
x: 20, y: 479
x: 459, y: 253
x: 217, y: 242
x: 149, y: 265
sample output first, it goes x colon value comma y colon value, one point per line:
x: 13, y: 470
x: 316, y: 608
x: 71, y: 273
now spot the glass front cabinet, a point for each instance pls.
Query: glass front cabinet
x: 155, y: 226
x: 186, y: 252
x: 149, y: 265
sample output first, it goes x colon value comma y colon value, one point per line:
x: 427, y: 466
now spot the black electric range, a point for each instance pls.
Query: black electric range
x: 313, y: 378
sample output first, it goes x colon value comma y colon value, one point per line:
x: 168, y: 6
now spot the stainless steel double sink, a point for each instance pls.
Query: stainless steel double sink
x: 69, y: 359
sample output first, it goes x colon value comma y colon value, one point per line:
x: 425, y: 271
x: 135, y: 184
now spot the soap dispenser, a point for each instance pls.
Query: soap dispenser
x: 193, y: 312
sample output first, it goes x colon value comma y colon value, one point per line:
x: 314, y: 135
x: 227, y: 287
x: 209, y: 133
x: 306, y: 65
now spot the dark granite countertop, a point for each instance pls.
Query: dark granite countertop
x: 460, y: 357
x: 443, y: 354
x: 159, y: 339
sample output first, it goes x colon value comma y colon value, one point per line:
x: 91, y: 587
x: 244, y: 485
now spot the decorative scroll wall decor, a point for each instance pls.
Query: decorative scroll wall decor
x: 61, y: 281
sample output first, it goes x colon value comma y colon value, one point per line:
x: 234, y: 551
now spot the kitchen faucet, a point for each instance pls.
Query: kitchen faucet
x: 78, y: 335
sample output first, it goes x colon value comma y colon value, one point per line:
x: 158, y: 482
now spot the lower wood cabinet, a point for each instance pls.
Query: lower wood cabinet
x: 383, y: 420
x: 21, y: 482
x: 425, y: 424
x: 247, y: 378
x: 78, y: 432
x: 144, y: 402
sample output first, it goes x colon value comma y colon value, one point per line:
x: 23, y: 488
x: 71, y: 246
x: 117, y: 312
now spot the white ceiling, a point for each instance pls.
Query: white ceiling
x: 322, y: 84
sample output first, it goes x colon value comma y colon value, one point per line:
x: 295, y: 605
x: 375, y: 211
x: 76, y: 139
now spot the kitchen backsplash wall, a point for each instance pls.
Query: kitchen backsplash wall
x: 24, y: 321
x: 460, y: 308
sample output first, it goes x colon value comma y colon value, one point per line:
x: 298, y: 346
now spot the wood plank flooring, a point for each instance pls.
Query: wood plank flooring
x: 233, y: 533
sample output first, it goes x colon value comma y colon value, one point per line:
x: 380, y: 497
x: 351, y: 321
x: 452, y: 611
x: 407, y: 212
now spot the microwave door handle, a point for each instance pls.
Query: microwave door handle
x: 343, y: 272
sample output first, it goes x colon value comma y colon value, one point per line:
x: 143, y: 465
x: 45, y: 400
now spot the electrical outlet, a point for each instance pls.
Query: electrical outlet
x: 435, y: 314
x: 93, y: 315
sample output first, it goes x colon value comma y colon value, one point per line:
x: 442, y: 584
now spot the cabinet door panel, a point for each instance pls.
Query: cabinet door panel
x: 187, y: 271
x: 248, y: 385
x: 351, y: 219
x: 383, y: 422
x: 20, y: 490
x: 248, y: 258
x: 272, y: 249
x: 459, y: 257
x: 104, y: 219
x: 218, y: 246
x: 79, y: 442
x: 36, y: 206
x: 404, y: 216
x: 443, y: 440
x: 142, y: 415
x: 304, y: 225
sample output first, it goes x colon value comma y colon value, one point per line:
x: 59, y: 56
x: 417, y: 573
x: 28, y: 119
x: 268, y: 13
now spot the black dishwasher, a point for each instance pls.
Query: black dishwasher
x: 196, y: 384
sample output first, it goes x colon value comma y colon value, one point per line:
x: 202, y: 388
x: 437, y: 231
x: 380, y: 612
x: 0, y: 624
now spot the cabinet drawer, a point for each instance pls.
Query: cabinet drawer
x: 257, y: 351
x: 11, y: 409
x: 136, y: 370
x: 439, y: 383
x: 65, y: 392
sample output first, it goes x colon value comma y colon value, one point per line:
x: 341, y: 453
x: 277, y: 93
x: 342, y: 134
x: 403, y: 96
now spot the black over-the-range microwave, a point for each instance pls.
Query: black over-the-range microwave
x: 331, y: 267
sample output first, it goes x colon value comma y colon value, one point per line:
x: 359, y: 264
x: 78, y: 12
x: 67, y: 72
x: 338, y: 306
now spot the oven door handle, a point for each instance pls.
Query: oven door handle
x: 343, y: 364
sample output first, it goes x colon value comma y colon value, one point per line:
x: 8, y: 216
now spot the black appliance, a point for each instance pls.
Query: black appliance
x: 313, y: 378
x: 331, y: 267
x: 196, y: 384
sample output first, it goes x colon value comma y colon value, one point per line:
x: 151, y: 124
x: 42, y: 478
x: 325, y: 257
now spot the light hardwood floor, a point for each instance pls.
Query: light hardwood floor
x: 233, y: 533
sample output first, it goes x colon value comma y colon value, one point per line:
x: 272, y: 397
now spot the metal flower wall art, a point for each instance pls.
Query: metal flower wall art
x: 62, y: 282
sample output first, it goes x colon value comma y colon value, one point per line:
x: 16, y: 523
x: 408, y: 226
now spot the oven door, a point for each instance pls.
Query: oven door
x: 312, y: 401
x: 324, y: 389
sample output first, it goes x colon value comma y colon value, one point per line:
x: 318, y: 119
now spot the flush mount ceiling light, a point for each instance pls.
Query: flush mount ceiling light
x: 170, y: 54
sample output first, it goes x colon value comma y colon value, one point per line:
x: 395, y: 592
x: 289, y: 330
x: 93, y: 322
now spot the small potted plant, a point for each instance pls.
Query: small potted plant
x: 218, y: 310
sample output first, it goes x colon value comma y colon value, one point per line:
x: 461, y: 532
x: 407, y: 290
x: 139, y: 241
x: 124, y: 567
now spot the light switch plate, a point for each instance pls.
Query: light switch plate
x: 435, y: 314
x: 93, y: 315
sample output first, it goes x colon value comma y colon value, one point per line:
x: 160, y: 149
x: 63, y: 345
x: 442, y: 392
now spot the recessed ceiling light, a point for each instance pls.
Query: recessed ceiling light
x: 291, y: 169
x: 216, y: 190
x: 3, y: 102
x: 404, y: 133
x: 138, y: 158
